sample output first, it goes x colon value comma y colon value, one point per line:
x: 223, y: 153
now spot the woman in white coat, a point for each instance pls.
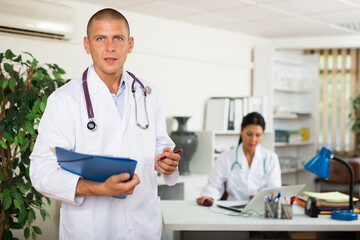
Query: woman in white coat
x: 88, y: 210
x: 246, y: 169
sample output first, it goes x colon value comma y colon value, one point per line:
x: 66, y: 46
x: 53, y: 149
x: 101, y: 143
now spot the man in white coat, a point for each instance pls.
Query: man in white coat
x: 88, y: 210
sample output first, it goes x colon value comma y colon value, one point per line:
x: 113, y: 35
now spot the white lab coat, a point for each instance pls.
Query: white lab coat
x: 64, y: 124
x: 252, y: 179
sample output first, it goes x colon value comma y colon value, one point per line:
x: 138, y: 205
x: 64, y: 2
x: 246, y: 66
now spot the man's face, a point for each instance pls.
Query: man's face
x: 108, y: 43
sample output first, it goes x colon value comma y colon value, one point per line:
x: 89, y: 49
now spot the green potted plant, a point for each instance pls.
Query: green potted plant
x: 355, y: 118
x: 24, y: 88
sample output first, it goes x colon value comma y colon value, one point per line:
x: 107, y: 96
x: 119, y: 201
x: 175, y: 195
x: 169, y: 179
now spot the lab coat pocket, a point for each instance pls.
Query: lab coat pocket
x: 75, y: 224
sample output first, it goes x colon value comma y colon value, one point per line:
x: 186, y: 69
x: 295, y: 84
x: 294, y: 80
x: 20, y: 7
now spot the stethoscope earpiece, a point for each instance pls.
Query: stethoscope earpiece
x: 91, y: 125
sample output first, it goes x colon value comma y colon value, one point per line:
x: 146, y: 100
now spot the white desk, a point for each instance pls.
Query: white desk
x: 188, y: 216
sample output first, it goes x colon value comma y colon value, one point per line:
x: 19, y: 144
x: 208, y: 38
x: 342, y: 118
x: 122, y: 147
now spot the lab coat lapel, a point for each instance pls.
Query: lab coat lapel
x: 242, y: 158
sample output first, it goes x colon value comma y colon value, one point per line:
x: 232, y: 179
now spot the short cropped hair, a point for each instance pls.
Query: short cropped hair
x: 107, y: 14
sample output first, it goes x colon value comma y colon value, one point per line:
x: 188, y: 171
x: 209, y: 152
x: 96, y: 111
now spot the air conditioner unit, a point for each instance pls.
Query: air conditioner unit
x: 36, y: 18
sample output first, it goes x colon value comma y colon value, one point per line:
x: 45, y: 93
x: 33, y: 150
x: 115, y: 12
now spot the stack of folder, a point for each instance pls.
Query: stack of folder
x: 327, y: 201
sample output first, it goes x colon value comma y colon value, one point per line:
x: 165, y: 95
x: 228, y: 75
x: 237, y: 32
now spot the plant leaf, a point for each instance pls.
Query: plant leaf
x: 1, y: 176
x: 7, y: 136
x: 37, y: 230
x: 7, y: 202
x: 32, y: 146
x: 12, y: 83
x: 27, y: 233
x: 43, y: 214
x: 18, y: 59
x: 21, y: 137
x: 8, y: 67
x: 34, y: 62
x: 31, y: 216
x: 24, y: 146
x: 42, y: 106
x: 5, y: 83
x: 9, y: 54
x: 29, y: 127
x: 22, y: 189
x: 16, y: 140
x: 56, y: 74
x: 28, y: 54
x: 33, y: 235
x: 3, y: 144
x: 17, y: 204
x: 22, y: 216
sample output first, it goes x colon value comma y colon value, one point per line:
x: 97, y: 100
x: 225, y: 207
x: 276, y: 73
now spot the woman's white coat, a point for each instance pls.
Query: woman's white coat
x: 264, y: 173
x: 64, y: 124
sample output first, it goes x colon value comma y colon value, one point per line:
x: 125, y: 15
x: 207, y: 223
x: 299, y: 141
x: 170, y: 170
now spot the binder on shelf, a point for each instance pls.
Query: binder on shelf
x: 94, y: 167
x: 231, y: 115
x: 238, y: 112
x: 225, y: 113
x: 217, y: 114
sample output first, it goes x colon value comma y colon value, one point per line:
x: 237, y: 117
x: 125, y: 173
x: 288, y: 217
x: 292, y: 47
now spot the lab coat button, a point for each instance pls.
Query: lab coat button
x: 130, y: 229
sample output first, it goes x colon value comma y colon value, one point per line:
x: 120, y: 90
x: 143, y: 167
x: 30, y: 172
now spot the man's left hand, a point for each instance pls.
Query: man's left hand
x: 169, y: 164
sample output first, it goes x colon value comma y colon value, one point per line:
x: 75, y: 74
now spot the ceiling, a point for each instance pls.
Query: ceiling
x: 266, y: 18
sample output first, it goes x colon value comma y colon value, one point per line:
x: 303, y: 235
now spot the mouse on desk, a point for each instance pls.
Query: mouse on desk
x: 208, y: 203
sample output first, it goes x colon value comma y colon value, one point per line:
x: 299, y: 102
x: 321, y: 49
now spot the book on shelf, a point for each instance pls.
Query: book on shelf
x: 288, y: 136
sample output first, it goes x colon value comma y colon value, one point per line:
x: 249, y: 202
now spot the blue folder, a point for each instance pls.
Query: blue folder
x: 94, y: 167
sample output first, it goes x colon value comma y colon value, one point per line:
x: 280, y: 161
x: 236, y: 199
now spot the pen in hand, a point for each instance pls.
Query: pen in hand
x: 177, y: 151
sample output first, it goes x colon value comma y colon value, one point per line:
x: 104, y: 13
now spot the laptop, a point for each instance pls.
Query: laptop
x: 257, y: 202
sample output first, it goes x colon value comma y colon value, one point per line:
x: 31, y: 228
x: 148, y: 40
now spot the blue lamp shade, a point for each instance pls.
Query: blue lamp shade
x: 319, y: 165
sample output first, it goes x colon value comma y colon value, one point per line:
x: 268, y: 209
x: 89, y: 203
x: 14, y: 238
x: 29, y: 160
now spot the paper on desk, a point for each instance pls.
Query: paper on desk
x: 330, y: 196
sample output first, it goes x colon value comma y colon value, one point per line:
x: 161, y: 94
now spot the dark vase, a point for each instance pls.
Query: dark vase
x: 185, y: 140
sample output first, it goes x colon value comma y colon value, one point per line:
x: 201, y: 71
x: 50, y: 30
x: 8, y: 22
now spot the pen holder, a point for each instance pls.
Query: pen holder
x: 286, y: 211
x: 271, y: 209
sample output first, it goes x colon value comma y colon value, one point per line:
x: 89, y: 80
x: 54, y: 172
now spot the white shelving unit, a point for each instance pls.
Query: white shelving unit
x: 290, y: 81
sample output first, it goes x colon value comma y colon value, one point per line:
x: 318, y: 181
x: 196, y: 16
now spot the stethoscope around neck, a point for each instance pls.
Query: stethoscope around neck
x: 239, y: 164
x: 91, y: 125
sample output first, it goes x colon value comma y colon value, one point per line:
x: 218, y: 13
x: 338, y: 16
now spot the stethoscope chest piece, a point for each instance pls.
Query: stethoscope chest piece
x: 148, y: 90
x: 91, y: 125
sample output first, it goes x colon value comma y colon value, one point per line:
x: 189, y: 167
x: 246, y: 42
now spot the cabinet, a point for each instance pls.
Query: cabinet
x: 290, y: 81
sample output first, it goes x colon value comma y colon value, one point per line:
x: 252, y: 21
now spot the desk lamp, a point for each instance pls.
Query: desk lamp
x: 320, y: 166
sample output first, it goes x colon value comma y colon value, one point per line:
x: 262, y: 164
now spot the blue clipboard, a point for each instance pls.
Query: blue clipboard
x: 94, y: 167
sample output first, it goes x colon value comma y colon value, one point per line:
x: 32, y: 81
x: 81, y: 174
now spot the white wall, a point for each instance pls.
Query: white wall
x: 188, y: 63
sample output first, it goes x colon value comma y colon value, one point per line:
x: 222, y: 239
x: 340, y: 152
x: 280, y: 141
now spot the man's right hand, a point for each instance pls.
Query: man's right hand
x: 115, y: 185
